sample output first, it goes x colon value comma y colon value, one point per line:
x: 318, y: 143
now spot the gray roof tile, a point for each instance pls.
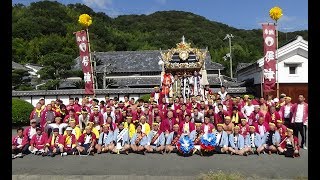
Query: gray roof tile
x: 237, y: 90
x: 138, y: 61
x: 18, y: 66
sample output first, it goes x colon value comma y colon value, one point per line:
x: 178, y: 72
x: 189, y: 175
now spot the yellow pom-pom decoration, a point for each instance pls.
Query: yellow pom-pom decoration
x: 85, y: 20
x: 275, y: 13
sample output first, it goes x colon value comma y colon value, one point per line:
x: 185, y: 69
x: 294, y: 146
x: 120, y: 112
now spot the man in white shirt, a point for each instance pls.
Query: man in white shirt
x: 223, y: 93
x: 247, y: 109
x: 196, y: 116
x: 216, y: 108
x: 300, y: 119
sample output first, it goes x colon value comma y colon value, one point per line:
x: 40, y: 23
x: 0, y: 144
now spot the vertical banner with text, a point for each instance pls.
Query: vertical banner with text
x: 269, y: 68
x: 81, y: 37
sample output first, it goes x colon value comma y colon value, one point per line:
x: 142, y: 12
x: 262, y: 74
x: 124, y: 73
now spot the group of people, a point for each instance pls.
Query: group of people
x: 241, y: 125
x: 184, y: 85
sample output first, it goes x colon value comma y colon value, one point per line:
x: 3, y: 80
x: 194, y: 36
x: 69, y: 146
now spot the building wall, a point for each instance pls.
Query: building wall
x: 65, y: 98
x: 290, y: 89
x: 301, y: 75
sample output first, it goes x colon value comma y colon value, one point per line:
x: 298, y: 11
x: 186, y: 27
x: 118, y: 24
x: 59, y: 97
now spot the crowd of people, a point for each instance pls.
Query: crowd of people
x: 241, y: 125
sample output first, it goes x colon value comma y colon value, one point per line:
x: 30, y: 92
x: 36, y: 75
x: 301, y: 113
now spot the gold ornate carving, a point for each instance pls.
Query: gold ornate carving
x: 183, y: 49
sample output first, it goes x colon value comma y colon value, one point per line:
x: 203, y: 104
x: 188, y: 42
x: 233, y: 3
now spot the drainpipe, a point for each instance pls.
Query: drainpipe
x: 220, y: 77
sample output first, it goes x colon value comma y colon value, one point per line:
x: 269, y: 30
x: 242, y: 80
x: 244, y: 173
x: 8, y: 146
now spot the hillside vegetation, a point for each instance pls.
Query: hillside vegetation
x: 42, y: 33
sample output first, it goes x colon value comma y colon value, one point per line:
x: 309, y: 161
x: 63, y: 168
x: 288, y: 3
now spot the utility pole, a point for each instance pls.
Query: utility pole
x: 104, y: 75
x: 229, y: 36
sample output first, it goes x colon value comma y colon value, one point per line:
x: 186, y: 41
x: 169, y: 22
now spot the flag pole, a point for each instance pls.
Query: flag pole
x: 277, y: 71
x: 94, y: 92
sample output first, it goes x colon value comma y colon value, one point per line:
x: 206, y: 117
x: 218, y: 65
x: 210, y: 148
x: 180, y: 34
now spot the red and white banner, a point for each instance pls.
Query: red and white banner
x: 269, y: 68
x: 81, y: 37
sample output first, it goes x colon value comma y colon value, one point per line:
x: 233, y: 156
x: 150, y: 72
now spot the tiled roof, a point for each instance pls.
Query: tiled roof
x: 237, y: 90
x: 34, y: 66
x: 138, y: 61
x: 242, y: 65
x: 18, y: 66
x: 125, y: 81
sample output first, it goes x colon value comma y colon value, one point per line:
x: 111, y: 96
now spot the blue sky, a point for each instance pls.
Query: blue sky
x: 244, y: 14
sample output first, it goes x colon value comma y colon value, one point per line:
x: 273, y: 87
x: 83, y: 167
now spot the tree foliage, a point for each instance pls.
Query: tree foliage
x: 43, y: 33
x: 20, y: 78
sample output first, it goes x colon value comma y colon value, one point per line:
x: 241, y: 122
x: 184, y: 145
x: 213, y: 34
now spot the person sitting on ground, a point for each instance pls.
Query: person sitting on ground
x: 271, y: 139
x: 282, y: 129
x: 54, y: 144
x: 105, y: 142
x: 75, y: 129
x: 130, y: 126
x: 156, y: 139
x: 139, y: 141
x: 253, y: 141
x: 221, y: 139
x: 69, y: 143
x: 86, y: 142
x: 121, y: 140
x: 196, y: 135
x: 19, y: 144
x: 172, y: 139
x: 236, y: 143
x: 289, y: 146
x: 93, y: 129
x: 38, y: 142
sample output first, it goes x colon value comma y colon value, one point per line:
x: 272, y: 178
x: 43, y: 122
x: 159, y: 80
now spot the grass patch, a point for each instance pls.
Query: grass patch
x: 220, y: 175
x: 301, y: 178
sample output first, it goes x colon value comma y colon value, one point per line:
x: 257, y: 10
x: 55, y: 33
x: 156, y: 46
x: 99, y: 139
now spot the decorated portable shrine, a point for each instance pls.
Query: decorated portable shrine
x: 183, y: 71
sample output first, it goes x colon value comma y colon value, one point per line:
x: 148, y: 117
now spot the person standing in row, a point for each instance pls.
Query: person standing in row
x: 300, y: 120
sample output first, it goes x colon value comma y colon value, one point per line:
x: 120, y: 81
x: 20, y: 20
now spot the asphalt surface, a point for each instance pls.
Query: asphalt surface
x: 268, y: 166
x: 166, y: 165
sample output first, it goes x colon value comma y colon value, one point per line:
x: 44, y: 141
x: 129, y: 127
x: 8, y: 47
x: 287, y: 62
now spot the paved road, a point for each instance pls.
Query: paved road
x: 269, y: 166
x: 166, y: 165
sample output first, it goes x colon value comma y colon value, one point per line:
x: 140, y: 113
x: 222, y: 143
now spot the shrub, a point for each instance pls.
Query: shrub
x: 145, y: 97
x: 21, y: 110
x: 219, y: 175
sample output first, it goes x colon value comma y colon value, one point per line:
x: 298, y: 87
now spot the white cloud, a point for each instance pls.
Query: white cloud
x: 99, y: 4
x: 285, y: 23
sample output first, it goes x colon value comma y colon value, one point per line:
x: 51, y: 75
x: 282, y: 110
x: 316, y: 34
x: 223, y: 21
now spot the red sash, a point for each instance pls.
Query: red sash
x: 155, y: 137
x: 175, y: 140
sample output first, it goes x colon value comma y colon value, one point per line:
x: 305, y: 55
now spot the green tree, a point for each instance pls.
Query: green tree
x: 60, y: 63
x: 20, y: 77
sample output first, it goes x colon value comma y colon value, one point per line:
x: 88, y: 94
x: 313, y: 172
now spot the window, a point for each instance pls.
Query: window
x: 292, y: 69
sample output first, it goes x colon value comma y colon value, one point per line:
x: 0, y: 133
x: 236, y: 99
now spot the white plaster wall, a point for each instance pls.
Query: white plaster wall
x: 302, y: 70
x: 48, y: 99
x: 64, y: 98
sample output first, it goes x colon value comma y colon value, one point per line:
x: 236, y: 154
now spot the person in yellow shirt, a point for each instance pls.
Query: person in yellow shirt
x: 69, y: 142
x: 93, y: 129
x: 75, y: 129
x: 130, y: 126
x: 145, y: 126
